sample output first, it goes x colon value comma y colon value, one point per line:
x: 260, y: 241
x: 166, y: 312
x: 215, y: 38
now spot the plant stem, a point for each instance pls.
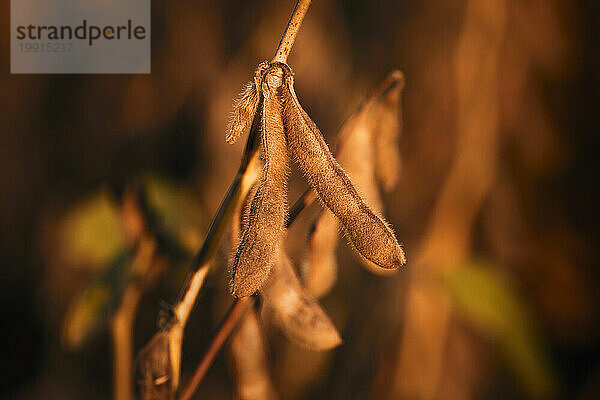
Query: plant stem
x: 121, y: 328
x: 235, y: 313
x: 291, y: 30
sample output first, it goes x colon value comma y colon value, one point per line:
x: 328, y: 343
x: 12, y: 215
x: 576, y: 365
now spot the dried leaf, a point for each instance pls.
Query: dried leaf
x: 370, y: 235
x: 301, y: 318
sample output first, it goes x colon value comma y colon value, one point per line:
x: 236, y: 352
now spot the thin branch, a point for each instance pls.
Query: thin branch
x: 291, y: 30
x: 235, y: 313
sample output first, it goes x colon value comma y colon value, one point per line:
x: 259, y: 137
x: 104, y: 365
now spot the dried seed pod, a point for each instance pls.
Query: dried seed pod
x: 366, y: 146
x: 386, y: 115
x: 319, y: 270
x: 301, y: 318
x: 355, y: 153
x: 357, y: 156
x: 369, y: 234
x: 245, y: 106
x: 239, y: 222
x: 249, y: 359
x: 154, y: 369
x: 247, y: 343
x: 258, y: 249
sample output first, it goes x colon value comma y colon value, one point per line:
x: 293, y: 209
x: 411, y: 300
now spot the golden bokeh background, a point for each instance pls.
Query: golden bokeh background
x: 496, y: 203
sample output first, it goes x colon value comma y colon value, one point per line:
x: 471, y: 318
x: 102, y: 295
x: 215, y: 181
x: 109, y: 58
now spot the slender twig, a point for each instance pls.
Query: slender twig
x: 229, y: 322
x: 291, y: 30
x: 235, y: 313
x: 305, y: 200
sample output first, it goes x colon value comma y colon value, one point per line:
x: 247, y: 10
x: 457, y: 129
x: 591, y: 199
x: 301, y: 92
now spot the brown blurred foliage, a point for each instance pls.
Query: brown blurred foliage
x: 495, y: 202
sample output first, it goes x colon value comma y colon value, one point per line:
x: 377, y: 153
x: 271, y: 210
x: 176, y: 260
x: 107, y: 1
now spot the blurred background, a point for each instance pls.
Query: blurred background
x: 496, y: 201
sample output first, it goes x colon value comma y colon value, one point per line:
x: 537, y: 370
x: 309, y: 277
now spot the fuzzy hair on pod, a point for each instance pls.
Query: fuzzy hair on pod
x: 259, y: 246
x: 370, y: 234
x: 245, y: 106
x: 357, y: 152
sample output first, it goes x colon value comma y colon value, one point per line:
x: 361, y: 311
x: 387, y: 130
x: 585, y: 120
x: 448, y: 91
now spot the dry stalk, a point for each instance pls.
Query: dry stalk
x: 291, y: 30
x: 234, y: 314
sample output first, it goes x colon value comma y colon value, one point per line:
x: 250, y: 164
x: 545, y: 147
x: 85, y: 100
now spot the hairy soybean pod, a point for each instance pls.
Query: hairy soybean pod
x: 258, y: 249
x: 300, y: 317
x: 245, y: 106
x: 369, y: 234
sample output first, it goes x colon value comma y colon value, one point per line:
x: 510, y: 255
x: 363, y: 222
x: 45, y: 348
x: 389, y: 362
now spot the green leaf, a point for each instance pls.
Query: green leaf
x: 489, y: 302
x: 178, y: 210
x: 89, y: 312
x: 90, y: 232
